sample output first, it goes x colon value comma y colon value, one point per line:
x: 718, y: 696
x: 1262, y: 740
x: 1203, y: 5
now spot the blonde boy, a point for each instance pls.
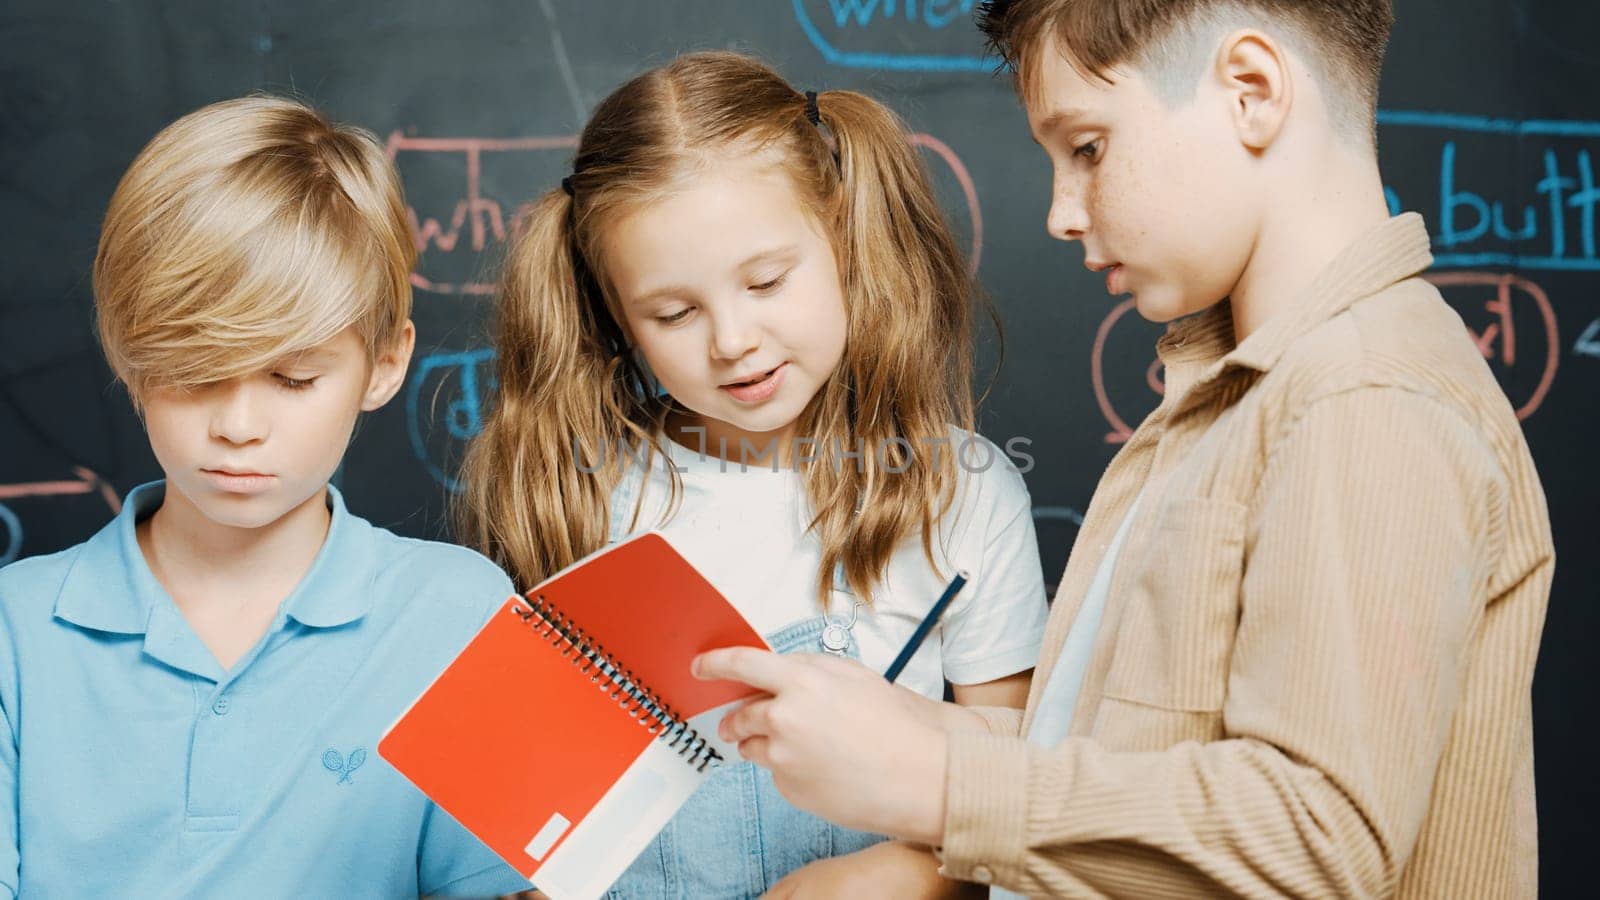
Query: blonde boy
x: 1293, y: 648
x: 191, y: 698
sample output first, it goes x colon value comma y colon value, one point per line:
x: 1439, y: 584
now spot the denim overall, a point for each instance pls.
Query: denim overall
x: 737, y: 836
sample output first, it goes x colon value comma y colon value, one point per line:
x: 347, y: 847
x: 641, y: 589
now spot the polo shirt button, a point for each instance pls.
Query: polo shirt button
x: 982, y: 875
x: 221, y: 706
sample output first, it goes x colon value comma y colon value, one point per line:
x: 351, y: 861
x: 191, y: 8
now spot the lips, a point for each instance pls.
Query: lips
x: 748, y: 380
x: 238, y: 481
x: 1116, y: 280
x: 757, y: 387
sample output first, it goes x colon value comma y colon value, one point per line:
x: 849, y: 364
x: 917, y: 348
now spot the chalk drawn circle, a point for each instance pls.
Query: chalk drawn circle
x: 1507, y: 288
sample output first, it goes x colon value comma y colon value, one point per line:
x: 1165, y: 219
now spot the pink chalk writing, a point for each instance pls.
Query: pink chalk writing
x: 477, y: 222
x: 87, y: 482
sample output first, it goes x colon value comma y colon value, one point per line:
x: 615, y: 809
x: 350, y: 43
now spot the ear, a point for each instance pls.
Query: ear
x: 389, y: 369
x: 1253, y: 69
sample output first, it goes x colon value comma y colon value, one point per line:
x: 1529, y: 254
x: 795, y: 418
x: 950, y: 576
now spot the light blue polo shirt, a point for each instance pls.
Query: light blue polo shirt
x: 132, y: 765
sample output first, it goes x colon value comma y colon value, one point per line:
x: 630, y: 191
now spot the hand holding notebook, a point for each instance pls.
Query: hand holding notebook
x: 570, y: 730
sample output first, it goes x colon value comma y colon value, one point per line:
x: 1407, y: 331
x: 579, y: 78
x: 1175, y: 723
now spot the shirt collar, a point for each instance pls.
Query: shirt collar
x: 110, y: 586
x: 1398, y: 249
x: 338, y: 588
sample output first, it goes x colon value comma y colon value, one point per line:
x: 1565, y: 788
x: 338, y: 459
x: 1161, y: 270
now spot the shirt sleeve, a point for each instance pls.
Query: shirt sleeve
x: 1001, y: 720
x: 995, y: 627
x: 10, y: 850
x: 1367, y: 558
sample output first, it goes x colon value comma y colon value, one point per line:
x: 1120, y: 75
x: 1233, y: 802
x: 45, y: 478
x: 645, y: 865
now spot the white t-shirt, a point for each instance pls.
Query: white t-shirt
x: 1053, y: 718
x: 744, y: 529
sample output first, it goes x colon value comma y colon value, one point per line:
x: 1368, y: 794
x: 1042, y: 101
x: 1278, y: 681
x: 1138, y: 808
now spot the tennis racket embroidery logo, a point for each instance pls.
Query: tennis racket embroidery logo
x: 333, y: 762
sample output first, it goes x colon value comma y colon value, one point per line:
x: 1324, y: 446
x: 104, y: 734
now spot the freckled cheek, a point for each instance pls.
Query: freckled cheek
x: 1107, y: 201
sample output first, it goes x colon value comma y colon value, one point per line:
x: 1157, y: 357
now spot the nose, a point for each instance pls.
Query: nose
x: 734, y: 334
x: 1068, y: 219
x: 238, y: 413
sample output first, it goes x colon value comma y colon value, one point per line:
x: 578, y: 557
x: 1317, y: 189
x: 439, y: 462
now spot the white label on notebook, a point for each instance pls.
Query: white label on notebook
x: 547, y: 836
x: 603, y: 845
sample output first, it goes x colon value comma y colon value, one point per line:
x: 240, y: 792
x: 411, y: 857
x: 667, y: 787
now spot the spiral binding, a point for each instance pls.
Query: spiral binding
x: 619, y: 683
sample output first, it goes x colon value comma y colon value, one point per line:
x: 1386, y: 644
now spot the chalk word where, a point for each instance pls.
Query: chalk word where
x: 483, y: 224
x: 1513, y: 304
x: 1555, y: 232
x: 483, y: 217
x: 888, y: 23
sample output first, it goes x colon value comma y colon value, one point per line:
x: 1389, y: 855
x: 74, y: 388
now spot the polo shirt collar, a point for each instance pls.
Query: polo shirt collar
x: 110, y: 586
x: 338, y: 588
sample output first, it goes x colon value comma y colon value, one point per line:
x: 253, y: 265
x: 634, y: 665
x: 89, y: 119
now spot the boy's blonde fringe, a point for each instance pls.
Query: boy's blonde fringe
x: 245, y: 232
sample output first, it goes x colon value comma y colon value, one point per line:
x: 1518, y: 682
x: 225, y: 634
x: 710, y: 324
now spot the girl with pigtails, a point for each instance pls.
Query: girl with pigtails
x: 742, y: 319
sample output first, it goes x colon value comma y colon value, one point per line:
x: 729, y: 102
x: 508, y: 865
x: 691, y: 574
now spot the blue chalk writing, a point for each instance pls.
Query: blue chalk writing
x: 1585, y: 199
x: 1393, y: 199
x: 935, y: 13
x: 1588, y: 344
x: 1451, y: 201
x: 13, y: 530
x: 463, y: 415
x: 932, y: 15
x: 1556, y: 231
x: 1485, y: 125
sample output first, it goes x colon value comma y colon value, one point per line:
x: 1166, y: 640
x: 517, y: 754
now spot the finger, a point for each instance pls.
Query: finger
x: 760, y: 669
x: 741, y: 704
x: 841, y: 666
x: 750, y: 720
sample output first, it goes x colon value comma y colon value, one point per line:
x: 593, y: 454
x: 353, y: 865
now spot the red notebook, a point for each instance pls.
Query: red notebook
x: 569, y: 730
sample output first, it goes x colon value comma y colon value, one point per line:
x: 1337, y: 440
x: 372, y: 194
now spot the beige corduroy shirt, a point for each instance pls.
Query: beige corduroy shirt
x: 1313, y: 673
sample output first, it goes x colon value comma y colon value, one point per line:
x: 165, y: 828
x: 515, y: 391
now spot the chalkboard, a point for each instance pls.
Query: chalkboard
x: 1490, y: 127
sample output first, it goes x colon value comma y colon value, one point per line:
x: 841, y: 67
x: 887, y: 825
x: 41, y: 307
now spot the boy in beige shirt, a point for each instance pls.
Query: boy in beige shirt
x: 1310, y: 671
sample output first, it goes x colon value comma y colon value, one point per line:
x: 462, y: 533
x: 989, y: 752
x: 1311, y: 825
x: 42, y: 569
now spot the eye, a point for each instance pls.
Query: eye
x: 767, y: 287
x: 675, y: 318
x: 1089, y: 151
x: 293, y: 384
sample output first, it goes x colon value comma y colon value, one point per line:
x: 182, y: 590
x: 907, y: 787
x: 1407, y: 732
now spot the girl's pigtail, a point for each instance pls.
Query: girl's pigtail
x: 538, y: 478
x: 912, y: 318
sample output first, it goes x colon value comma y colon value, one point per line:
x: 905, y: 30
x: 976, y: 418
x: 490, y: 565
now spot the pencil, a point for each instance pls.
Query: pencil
x: 928, y: 621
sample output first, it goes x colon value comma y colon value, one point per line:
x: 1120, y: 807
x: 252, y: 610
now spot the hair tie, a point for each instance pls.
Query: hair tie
x: 811, y: 108
x: 566, y: 185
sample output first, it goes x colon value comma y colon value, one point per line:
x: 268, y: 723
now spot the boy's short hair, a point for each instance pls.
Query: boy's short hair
x: 1344, y: 41
x: 245, y: 232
